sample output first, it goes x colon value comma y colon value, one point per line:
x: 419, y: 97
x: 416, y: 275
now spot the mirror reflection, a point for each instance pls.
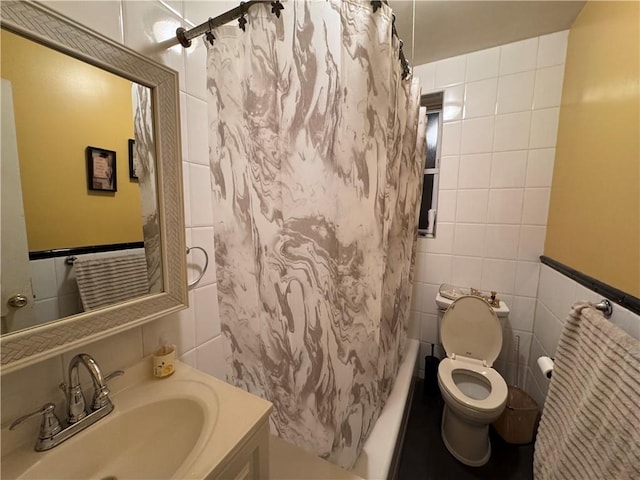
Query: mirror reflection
x: 80, y: 227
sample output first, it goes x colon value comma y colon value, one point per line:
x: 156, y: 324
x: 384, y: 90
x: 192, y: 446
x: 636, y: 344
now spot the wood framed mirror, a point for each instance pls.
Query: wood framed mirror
x: 162, y: 226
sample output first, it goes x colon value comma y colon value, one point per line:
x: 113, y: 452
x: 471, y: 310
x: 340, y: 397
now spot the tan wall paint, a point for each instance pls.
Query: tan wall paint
x: 63, y: 105
x: 594, y: 212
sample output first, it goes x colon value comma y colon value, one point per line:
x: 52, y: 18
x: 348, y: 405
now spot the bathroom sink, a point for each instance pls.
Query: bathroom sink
x: 128, y: 444
x: 160, y: 428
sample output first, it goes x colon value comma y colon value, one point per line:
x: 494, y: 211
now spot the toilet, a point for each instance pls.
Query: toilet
x: 474, y: 393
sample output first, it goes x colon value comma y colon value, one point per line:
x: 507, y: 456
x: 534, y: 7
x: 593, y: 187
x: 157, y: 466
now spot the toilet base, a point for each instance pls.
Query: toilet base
x: 468, y: 442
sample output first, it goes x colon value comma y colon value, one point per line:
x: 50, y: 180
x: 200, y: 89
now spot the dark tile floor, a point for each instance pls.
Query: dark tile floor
x: 424, y: 456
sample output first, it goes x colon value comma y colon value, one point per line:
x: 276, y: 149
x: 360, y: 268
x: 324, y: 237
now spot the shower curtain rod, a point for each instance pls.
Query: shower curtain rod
x: 185, y: 36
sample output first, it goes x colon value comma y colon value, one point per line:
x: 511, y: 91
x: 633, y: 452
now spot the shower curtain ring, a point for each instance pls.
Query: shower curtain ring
x: 209, y: 36
x: 276, y: 6
x: 242, y: 21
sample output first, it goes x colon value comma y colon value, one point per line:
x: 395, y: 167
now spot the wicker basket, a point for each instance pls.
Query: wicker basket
x: 518, y: 423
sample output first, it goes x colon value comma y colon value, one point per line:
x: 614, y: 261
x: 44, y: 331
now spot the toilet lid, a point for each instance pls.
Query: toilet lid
x: 471, y: 328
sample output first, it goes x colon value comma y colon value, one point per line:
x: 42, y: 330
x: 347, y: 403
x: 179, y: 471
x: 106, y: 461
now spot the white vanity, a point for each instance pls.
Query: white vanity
x: 188, y: 426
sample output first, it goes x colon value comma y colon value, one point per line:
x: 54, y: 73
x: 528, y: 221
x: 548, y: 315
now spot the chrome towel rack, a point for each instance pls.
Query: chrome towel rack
x: 605, y: 307
x: 204, y: 269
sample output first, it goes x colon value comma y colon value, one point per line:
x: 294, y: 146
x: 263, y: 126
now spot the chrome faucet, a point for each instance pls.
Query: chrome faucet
x: 75, y: 398
x: 52, y: 431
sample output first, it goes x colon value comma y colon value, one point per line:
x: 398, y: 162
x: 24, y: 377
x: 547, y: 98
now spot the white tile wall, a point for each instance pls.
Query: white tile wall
x: 495, y: 177
x: 556, y: 294
x: 196, y: 331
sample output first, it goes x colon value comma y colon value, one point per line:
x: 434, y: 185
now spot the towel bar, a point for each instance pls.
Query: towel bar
x: 605, y: 307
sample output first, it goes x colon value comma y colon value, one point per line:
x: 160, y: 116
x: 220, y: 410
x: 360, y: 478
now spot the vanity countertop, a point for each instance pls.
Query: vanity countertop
x: 231, y: 419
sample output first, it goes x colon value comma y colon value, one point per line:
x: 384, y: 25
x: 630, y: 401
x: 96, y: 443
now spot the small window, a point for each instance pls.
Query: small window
x: 429, y: 206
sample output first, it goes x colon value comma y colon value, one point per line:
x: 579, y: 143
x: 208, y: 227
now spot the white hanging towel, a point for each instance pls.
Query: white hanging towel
x: 109, y: 280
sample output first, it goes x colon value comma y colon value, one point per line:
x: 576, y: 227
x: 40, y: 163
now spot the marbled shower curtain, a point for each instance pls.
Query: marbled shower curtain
x: 317, y: 178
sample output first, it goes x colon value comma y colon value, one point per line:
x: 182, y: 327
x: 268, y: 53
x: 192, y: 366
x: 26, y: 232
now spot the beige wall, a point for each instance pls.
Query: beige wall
x: 594, y: 213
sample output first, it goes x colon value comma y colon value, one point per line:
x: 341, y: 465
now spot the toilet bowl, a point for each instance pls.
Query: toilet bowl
x: 474, y: 393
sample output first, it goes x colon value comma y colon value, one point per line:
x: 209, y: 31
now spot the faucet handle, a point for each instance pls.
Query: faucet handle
x: 50, y: 423
x: 101, y: 394
x: 112, y: 375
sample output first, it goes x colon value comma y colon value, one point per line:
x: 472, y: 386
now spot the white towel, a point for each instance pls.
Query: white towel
x: 590, y: 426
x: 109, y: 280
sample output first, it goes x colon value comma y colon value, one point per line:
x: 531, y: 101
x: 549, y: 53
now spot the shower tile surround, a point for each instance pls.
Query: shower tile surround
x: 196, y: 330
x: 498, y: 147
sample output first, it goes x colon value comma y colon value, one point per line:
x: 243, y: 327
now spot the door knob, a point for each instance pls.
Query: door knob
x: 18, y: 301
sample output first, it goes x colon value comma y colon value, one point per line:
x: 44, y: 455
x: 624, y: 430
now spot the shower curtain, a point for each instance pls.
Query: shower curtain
x: 316, y: 170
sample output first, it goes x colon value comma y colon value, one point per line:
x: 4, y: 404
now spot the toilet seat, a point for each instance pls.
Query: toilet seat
x: 471, y: 328
x: 497, y: 395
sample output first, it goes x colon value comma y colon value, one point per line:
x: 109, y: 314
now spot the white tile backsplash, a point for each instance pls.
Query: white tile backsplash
x: 210, y: 358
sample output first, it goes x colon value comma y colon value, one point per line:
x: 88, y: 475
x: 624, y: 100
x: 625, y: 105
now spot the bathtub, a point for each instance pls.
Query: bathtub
x: 381, y: 451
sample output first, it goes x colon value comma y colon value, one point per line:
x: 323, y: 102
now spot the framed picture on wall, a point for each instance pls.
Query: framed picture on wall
x: 101, y: 169
x: 133, y: 161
